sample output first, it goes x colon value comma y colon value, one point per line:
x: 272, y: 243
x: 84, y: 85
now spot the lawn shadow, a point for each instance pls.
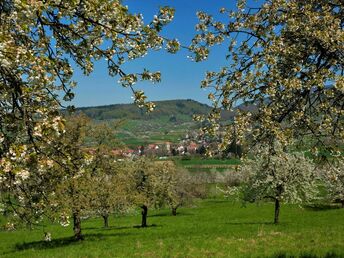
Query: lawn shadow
x: 168, y: 214
x: 308, y: 255
x: 148, y: 226
x: 220, y: 201
x: 250, y: 223
x: 65, y: 241
x: 54, y: 243
x: 322, y: 207
x: 108, y: 228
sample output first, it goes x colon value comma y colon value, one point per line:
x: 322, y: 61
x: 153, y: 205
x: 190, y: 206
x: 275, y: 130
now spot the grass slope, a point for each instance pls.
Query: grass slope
x: 215, y: 228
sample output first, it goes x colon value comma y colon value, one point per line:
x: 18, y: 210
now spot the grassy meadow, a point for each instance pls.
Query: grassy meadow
x: 208, y: 161
x: 211, y: 228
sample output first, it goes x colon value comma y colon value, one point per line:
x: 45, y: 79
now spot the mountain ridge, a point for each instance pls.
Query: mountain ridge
x: 178, y: 108
x: 175, y: 110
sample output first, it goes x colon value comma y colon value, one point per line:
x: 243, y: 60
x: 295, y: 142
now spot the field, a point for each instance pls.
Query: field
x: 212, y: 228
x: 209, y: 165
x: 142, y: 132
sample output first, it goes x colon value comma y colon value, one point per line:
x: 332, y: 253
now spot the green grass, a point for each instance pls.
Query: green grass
x: 206, y: 170
x: 200, y: 162
x: 215, y: 228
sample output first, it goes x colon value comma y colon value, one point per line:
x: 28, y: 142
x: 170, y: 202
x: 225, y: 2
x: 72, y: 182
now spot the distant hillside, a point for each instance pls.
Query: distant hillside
x: 171, y: 120
x: 174, y: 110
x: 168, y: 110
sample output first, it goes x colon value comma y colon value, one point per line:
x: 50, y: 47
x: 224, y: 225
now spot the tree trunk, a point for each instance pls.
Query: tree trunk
x: 77, y: 226
x: 174, y: 211
x: 277, y: 211
x: 342, y: 202
x: 106, y: 220
x: 144, y: 216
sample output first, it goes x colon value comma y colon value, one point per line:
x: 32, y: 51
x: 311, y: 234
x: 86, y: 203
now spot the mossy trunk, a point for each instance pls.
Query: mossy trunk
x: 77, y: 226
x: 144, y: 216
x: 106, y: 220
x: 277, y: 210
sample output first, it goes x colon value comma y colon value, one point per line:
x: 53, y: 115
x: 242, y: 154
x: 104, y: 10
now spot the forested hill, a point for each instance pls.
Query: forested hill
x: 173, y: 110
x: 181, y: 110
x: 171, y: 120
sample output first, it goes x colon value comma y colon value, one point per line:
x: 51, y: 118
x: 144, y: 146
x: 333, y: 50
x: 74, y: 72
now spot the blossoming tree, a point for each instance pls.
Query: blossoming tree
x: 284, y: 56
x: 109, y: 190
x: 279, y: 176
x: 39, y: 43
x: 71, y: 194
x: 154, y: 184
x: 333, y: 176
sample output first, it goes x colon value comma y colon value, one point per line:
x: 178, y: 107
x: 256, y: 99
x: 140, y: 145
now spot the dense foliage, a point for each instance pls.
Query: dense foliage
x: 285, y: 56
x: 40, y: 42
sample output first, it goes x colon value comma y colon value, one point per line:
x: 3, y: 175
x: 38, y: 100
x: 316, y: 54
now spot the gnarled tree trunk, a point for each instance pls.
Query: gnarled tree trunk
x: 144, y: 216
x: 77, y: 226
x: 277, y: 211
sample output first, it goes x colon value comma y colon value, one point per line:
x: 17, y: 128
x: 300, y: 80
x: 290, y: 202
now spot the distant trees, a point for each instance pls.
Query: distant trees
x: 333, y: 177
x: 201, y: 150
x: 234, y: 148
x: 89, y: 181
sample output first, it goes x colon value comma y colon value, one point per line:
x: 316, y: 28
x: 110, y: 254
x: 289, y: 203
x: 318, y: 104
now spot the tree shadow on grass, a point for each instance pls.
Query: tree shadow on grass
x: 108, y: 228
x: 321, y: 207
x: 251, y: 223
x: 308, y: 255
x: 65, y: 241
x: 223, y: 201
x: 168, y: 214
x: 148, y: 226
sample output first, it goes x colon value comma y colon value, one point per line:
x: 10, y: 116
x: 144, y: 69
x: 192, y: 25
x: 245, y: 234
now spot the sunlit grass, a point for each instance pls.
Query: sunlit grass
x: 214, y: 228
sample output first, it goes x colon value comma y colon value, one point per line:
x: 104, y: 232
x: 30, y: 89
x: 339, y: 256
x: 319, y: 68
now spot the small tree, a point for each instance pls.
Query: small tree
x: 110, y: 188
x: 172, y: 186
x: 73, y: 191
x: 142, y: 187
x: 156, y: 184
x: 333, y: 175
x: 280, y: 176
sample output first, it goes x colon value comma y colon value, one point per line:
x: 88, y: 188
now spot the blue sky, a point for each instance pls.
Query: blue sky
x: 180, y: 76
